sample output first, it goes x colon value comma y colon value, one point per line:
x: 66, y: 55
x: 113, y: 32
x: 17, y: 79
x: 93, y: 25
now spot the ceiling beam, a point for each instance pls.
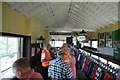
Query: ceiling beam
x: 15, y: 5
x: 87, y: 23
x: 85, y: 17
x: 30, y: 8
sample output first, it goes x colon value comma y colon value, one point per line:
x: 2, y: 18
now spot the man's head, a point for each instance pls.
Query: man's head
x: 48, y: 47
x: 64, y: 45
x: 71, y: 53
x: 61, y: 53
x: 20, y: 66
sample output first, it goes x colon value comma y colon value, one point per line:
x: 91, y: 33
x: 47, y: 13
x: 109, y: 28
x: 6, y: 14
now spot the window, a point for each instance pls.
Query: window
x: 74, y: 40
x: 86, y: 44
x: 58, y: 43
x: 94, y: 44
x: 81, y: 38
x: 9, y: 52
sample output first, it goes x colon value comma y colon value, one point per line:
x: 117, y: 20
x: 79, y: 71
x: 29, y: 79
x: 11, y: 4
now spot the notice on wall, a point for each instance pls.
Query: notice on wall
x: 109, y: 39
x: 116, y: 49
x: 109, y: 35
x: 118, y: 44
x: 115, y: 45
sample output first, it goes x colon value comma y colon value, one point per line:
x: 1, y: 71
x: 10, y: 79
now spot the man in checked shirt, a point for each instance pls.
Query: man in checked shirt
x: 58, y: 69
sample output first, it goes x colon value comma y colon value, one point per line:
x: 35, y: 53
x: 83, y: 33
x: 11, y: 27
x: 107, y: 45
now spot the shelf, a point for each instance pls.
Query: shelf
x: 108, y: 39
x: 107, y: 57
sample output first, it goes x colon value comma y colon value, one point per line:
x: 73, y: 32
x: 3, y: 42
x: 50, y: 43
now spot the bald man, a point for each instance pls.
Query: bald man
x: 21, y: 68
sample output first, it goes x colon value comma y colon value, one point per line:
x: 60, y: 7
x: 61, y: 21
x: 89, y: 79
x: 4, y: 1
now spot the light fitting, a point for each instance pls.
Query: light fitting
x: 41, y: 38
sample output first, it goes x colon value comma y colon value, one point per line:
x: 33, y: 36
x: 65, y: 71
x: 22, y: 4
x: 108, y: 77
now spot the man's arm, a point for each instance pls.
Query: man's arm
x: 46, y: 59
x: 43, y: 57
x: 49, y: 69
x: 69, y: 74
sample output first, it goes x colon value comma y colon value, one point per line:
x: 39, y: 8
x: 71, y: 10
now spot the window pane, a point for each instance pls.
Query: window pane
x: 6, y: 62
x: 12, y: 45
x: 87, y: 44
x: 94, y: 44
x: 81, y: 38
x: 52, y: 43
x: 7, y: 74
x: 9, y: 50
x: 3, y: 46
x: 74, y: 42
x: 58, y: 43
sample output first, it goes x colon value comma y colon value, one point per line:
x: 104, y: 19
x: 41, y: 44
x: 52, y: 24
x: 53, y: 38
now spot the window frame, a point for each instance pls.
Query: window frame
x: 9, y: 54
x: 25, y: 44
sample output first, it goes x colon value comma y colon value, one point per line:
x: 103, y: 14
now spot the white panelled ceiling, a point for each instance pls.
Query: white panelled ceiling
x: 70, y: 16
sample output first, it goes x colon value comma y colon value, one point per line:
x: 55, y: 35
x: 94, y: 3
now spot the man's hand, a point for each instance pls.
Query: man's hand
x: 49, y: 75
x: 46, y: 59
x: 50, y: 58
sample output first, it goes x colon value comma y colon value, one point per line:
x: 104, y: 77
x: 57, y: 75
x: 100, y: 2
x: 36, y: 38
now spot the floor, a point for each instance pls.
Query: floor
x: 80, y: 75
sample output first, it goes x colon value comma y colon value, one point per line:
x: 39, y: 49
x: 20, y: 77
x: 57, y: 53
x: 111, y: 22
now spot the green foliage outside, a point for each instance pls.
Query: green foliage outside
x: 8, y: 46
